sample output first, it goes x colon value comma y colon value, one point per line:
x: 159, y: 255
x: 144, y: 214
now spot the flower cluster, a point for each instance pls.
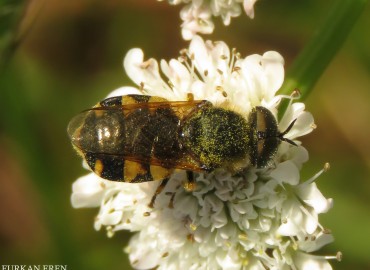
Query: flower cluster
x: 255, y: 219
x: 197, y: 14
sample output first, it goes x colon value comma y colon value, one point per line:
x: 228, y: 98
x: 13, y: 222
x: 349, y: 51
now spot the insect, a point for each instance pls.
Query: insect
x: 139, y: 138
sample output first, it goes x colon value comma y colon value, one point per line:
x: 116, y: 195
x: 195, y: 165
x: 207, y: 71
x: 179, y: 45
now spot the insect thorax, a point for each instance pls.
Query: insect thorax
x: 216, y: 136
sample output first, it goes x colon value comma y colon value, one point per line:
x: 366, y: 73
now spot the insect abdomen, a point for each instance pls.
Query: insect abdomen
x: 134, y: 145
x: 153, y: 134
x: 98, y: 131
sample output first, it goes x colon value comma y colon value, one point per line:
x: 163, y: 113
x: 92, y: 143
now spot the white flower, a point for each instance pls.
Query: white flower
x: 255, y: 219
x: 197, y: 14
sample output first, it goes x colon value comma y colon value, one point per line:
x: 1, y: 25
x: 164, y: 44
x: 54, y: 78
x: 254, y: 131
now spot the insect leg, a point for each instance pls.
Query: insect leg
x: 190, y: 185
x: 172, y: 194
x: 159, y: 189
x: 172, y: 199
x: 190, y: 97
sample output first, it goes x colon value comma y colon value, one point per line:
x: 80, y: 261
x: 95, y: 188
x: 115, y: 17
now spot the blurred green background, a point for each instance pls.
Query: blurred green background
x: 69, y: 56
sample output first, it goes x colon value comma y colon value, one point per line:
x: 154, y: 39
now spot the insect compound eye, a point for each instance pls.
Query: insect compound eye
x: 263, y: 136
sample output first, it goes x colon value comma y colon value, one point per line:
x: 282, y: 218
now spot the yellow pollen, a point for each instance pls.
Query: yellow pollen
x: 192, y: 226
x: 189, y: 186
x: 245, y: 262
x: 243, y: 236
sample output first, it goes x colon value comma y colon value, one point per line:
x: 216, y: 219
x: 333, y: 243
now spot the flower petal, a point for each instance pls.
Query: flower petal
x: 286, y: 172
x: 305, y: 261
x: 131, y: 64
x: 273, y: 64
x: 311, y: 245
x: 87, y: 191
x: 126, y: 90
x: 249, y: 7
x: 311, y: 195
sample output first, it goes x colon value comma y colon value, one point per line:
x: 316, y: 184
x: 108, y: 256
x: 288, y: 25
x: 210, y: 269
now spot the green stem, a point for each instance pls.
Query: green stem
x: 11, y: 16
x: 315, y: 57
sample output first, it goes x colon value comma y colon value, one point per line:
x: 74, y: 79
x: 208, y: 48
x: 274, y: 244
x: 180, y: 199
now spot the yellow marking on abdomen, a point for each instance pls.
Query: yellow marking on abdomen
x: 131, y: 170
x: 98, y: 168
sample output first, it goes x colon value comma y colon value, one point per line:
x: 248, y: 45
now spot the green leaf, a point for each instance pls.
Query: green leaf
x: 318, y: 53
